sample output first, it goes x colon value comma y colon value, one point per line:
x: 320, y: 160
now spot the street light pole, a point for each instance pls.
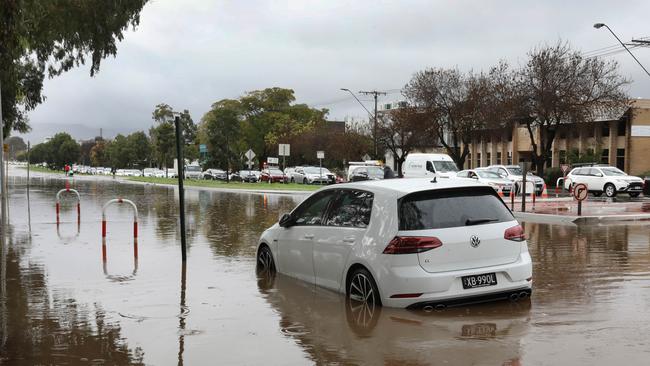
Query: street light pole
x: 375, y: 94
x: 600, y: 25
x: 3, y: 186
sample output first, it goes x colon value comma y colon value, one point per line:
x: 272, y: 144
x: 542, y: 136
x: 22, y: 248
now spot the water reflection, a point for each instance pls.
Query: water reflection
x: 43, y: 327
x: 332, y: 331
x: 120, y: 278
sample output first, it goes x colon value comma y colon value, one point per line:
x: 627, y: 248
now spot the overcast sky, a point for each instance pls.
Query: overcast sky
x: 190, y: 54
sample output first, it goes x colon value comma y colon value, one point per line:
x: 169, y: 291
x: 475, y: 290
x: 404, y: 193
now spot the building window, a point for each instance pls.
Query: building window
x: 575, y: 133
x: 478, y: 160
x: 469, y: 161
x: 620, y: 159
x: 509, y: 158
x: 509, y: 136
x: 562, y: 134
x: 604, y: 156
x: 562, y: 156
x: 488, y: 156
x: 499, y: 157
x: 622, y: 126
x: 605, y: 129
x: 590, y: 131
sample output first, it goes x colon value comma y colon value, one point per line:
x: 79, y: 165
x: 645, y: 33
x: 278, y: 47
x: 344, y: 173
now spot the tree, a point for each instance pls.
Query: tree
x: 16, y: 146
x: 119, y: 152
x: 450, y: 99
x: 162, y: 113
x: 99, y: 154
x: 269, y: 118
x: 86, y: 148
x: 558, y: 85
x: 139, y: 148
x: 189, y: 131
x: 400, y: 131
x: 57, y: 152
x: 221, y: 131
x: 42, y: 37
x: 163, y: 143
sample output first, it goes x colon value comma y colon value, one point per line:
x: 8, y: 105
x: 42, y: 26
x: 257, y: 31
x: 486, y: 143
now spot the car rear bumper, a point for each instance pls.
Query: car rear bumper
x: 447, y: 288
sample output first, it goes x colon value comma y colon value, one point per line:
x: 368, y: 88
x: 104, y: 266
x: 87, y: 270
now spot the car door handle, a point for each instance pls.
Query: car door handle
x: 349, y: 239
x: 308, y: 236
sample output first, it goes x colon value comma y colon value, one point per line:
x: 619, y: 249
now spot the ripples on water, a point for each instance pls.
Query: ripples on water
x: 62, y: 304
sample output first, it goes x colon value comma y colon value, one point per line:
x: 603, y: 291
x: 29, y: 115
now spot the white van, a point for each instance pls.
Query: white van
x: 428, y: 165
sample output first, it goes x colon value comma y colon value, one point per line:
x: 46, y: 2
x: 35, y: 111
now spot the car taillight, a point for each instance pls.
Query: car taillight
x: 515, y: 233
x: 412, y: 244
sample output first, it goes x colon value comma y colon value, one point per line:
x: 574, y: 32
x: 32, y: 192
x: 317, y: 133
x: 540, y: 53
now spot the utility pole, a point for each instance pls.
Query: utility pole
x: 375, y: 94
x: 3, y: 190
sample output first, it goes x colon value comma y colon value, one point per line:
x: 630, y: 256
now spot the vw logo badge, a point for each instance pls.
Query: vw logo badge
x: 474, y: 241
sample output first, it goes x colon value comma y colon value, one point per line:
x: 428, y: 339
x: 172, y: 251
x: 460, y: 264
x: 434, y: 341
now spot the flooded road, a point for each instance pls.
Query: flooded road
x: 61, y: 303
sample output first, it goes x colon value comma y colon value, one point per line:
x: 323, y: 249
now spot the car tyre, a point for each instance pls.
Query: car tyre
x: 634, y: 194
x: 304, y: 181
x: 361, y: 291
x: 265, y: 264
x: 610, y: 190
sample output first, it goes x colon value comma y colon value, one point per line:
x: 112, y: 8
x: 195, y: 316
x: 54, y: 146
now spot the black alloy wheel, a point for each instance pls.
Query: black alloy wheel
x: 362, y: 296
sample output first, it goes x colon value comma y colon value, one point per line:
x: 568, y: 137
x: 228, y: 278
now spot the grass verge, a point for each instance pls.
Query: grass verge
x: 231, y: 185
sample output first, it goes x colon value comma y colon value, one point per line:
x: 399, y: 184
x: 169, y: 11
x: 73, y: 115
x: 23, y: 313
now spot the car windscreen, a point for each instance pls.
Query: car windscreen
x: 515, y: 170
x: 488, y: 174
x: 314, y: 170
x: 276, y: 172
x: 455, y: 207
x: 375, y: 172
x: 612, y: 171
x: 445, y: 166
x: 192, y: 168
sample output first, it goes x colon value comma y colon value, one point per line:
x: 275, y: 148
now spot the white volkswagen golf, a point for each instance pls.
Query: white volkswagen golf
x: 403, y: 243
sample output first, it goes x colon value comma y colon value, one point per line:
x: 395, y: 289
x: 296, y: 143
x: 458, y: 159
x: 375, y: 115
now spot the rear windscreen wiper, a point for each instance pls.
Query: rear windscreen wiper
x: 478, y: 221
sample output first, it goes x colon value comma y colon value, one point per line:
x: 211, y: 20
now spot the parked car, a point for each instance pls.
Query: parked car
x: 289, y: 172
x: 403, y: 243
x: 515, y: 174
x: 312, y: 175
x: 366, y: 173
x: 605, y: 179
x: 149, y: 172
x: 273, y: 175
x: 488, y: 177
x: 193, y: 172
x: 249, y: 176
x: 425, y: 165
x: 215, y: 174
x: 235, y: 177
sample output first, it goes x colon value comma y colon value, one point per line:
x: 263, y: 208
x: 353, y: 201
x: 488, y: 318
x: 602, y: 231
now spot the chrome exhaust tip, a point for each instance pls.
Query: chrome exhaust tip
x: 440, y: 307
x: 428, y: 308
x: 514, y: 297
x: 523, y: 295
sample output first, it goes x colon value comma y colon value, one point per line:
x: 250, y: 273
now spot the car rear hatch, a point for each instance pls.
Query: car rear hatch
x: 470, y: 224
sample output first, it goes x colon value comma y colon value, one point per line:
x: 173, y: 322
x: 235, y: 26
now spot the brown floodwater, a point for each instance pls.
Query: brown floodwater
x: 61, y: 303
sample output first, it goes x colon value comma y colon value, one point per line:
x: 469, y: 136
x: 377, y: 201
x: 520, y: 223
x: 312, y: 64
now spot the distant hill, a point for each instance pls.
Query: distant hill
x: 77, y: 131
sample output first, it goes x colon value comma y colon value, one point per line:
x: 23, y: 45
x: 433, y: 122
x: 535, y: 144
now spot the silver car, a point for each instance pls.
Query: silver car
x: 488, y: 177
x: 514, y: 173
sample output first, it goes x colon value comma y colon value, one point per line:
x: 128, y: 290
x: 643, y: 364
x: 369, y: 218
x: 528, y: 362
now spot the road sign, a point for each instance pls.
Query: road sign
x: 203, y: 148
x: 366, y: 157
x: 272, y: 160
x: 580, y: 191
x: 320, y: 154
x: 565, y: 168
x: 284, y: 150
x: 250, y: 154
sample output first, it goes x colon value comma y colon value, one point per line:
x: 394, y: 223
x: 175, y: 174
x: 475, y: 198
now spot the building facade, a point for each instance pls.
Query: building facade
x: 622, y: 141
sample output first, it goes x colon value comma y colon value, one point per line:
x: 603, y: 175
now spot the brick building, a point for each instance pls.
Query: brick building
x: 622, y: 140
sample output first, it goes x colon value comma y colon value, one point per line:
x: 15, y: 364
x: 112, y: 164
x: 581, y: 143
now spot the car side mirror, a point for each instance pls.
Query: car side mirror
x: 475, y: 177
x: 599, y: 174
x: 285, y: 220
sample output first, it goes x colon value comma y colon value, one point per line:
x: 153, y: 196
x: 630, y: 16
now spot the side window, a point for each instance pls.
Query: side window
x: 580, y: 171
x: 430, y: 167
x: 463, y: 174
x: 351, y: 209
x: 311, y: 211
x: 595, y: 172
x: 503, y: 172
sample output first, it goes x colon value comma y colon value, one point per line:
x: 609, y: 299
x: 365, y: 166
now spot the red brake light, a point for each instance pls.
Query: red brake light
x: 412, y: 244
x: 515, y: 233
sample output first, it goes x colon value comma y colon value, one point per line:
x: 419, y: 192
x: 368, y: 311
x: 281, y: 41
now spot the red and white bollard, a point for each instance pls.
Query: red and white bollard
x: 58, y: 203
x: 135, y: 215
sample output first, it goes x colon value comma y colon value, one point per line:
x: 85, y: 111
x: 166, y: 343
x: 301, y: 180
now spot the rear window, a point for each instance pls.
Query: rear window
x: 439, y: 209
